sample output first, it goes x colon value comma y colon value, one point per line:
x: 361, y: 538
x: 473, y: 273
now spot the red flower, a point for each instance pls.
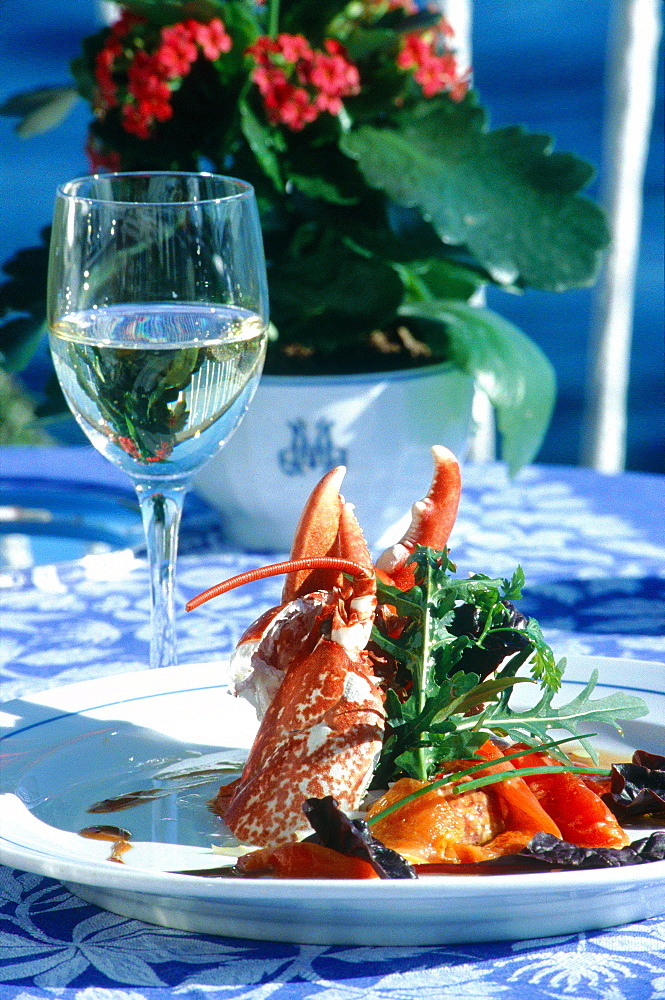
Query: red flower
x: 433, y: 65
x: 269, y: 78
x: 263, y: 48
x: 162, y: 452
x: 129, y: 446
x: 150, y: 92
x: 292, y: 106
x: 104, y: 67
x: 101, y: 158
x: 133, y: 74
x: 298, y: 83
x: 212, y: 38
x: 408, y: 6
x: 293, y: 48
x: 125, y: 24
x: 177, y: 52
x: 136, y: 121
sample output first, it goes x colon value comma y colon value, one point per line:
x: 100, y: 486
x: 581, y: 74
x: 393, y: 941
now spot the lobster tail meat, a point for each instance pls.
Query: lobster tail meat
x: 319, y: 736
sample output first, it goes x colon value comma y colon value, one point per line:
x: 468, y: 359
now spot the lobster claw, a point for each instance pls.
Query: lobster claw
x: 317, y: 534
x: 432, y: 520
x: 327, y: 532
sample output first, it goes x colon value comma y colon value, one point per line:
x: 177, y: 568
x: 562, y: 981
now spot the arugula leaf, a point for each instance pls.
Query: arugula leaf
x: 537, y: 721
x: 460, y: 644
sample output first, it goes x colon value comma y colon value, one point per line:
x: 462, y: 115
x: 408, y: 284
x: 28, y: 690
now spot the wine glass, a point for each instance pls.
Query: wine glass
x: 158, y: 317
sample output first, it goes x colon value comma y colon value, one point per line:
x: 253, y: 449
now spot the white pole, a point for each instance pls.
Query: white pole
x: 630, y: 90
x: 459, y: 14
x: 482, y: 446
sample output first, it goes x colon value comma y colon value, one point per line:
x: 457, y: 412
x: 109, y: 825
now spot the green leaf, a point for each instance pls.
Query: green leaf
x: 544, y: 668
x: 574, y: 717
x: 315, y: 165
x: 380, y: 235
x: 510, y: 369
x: 512, y: 589
x: 443, y: 279
x: 458, y: 651
x: 40, y: 110
x: 54, y: 405
x: 318, y: 187
x: 19, y: 339
x: 439, y: 690
x: 82, y: 66
x: 504, y: 194
x: 315, y: 288
x: 170, y: 378
x: 363, y: 43
x: 23, y: 305
x: 310, y: 19
x: 262, y: 143
x: 18, y: 424
x: 485, y: 691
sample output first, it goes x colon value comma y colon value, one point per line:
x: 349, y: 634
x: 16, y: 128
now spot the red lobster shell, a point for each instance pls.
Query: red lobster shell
x: 304, y: 665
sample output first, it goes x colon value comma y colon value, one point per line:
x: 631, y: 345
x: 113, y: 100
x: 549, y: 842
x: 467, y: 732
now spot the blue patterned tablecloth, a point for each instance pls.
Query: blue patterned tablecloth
x: 593, y: 551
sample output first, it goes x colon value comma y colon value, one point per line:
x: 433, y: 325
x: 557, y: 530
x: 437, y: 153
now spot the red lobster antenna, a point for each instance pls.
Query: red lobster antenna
x: 290, y: 566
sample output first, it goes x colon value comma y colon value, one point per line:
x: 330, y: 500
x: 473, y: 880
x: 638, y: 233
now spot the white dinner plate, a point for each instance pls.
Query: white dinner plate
x: 70, y: 747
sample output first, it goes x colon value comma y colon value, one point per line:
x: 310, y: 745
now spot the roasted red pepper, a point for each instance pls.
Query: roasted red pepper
x: 577, y: 809
x: 467, y: 827
x: 303, y: 860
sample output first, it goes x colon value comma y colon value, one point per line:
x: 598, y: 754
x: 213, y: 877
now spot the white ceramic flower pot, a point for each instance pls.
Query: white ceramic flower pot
x: 380, y: 426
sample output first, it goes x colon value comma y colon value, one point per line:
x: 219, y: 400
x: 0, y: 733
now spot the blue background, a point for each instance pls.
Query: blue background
x: 537, y: 64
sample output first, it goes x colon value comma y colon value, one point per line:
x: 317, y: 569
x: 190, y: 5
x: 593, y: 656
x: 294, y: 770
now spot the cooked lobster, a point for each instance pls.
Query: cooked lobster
x: 309, y: 669
x: 305, y: 667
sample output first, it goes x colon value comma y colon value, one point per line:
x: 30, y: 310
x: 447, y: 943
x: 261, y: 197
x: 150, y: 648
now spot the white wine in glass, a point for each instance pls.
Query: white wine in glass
x: 158, y: 317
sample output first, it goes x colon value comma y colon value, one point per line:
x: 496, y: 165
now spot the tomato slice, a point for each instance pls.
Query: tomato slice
x: 577, y: 809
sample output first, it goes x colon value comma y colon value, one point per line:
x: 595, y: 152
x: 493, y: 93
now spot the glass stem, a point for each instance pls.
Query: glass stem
x: 161, y: 510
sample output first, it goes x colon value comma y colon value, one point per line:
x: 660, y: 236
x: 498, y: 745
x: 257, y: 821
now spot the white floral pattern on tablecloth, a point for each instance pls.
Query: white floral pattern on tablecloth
x: 54, y: 945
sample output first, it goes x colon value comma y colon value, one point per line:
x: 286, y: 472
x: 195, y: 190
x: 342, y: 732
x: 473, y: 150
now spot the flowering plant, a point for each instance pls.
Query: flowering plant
x: 386, y: 201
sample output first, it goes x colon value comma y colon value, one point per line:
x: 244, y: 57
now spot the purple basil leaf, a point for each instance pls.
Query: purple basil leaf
x: 335, y: 830
x: 651, y: 848
x: 561, y: 854
x: 652, y: 761
x: 638, y: 788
